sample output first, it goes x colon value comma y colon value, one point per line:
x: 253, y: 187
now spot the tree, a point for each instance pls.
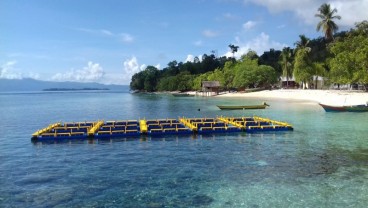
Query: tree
x: 286, y: 59
x: 271, y: 58
x: 350, y: 61
x: 252, y: 55
x: 302, y: 43
x: 137, y: 82
x: 303, y: 67
x: 229, y: 75
x: 329, y: 27
x: 248, y: 74
x: 233, y: 49
x: 151, y: 78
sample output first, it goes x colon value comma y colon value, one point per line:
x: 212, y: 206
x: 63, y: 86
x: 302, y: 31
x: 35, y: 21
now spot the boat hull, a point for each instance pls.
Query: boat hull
x: 330, y: 108
x: 353, y: 108
x: 182, y: 95
x: 357, y: 108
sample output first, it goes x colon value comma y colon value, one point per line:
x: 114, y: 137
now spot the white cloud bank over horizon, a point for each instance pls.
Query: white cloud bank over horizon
x: 93, y: 72
x: 8, y: 71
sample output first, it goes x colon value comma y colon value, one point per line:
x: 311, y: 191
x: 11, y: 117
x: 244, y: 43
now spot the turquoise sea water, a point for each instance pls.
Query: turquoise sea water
x: 322, y: 163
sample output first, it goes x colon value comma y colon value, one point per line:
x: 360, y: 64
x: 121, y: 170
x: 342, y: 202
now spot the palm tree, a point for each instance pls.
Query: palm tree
x: 233, y: 49
x: 302, y: 65
x: 286, y: 63
x: 329, y: 27
x: 303, y: 43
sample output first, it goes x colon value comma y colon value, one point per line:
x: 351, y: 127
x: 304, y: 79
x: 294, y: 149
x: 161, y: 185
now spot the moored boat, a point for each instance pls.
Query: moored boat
x: 357, y: 108
x: 182, y: 95
x: 345, y: 108
x: 242, y: 107
x: 330, y: 108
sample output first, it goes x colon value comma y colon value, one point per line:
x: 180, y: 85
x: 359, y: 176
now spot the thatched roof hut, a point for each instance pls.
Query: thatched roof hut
x: 210, y: 86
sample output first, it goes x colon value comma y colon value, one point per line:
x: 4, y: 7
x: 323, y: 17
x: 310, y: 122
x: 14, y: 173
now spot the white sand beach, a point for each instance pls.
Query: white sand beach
x: 330, y: 97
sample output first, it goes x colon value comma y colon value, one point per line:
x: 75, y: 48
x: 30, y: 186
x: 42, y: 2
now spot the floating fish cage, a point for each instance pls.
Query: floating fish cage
x: 134, y: 128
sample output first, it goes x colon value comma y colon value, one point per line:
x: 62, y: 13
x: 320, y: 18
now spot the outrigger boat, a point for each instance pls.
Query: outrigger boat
x: 242, y: 107
x: 345, y: 108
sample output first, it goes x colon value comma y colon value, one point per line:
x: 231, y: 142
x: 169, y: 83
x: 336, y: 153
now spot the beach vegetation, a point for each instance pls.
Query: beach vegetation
x: 349, y: 63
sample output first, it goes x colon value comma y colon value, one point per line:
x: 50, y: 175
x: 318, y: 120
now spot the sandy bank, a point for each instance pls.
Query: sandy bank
x: 330, y: 97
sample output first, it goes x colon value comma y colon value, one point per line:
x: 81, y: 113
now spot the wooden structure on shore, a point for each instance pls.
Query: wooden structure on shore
x: 210, y: 88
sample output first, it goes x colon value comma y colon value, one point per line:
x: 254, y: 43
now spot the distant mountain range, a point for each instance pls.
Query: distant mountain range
x: 18, y: 85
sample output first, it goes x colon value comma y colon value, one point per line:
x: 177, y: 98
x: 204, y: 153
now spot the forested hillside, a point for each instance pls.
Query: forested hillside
x: 340, y: 58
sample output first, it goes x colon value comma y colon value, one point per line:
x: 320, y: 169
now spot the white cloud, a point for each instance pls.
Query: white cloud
x: 249, y: 25
x: 259, y: 44
x: 33, y: 75
x: 143, y: 67
x: 126, y: 38
x: 93, y: 72
x: 209, y: 33
x: 198, y: 43
x: 229, y: 16
x: 107, y: 32
x: 351, y: 11
x: 131, y: 66
x: 7, y: 71
x: 190, y: 58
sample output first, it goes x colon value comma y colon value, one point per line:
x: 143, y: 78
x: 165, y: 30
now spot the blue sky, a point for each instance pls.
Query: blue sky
x: 108, y: 41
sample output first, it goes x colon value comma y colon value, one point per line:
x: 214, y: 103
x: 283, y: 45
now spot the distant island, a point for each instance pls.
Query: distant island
x: 73, y: 89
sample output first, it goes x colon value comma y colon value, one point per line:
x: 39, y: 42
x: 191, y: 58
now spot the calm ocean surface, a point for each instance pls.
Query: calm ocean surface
x: 322, y: 163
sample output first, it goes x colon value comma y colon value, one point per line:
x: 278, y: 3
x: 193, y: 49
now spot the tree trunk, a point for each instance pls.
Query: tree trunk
x: 315, y: 87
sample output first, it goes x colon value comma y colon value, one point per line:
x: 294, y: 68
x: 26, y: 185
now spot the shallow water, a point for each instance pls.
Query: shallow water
x: 322, y: 163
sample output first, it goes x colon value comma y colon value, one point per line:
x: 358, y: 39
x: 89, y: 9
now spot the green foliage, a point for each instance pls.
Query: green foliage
x: 167, y: 84
x: 145, y: 80
x: 197, y: 82
x: 350, y: 61
x: 137, y: 82
x: 271, y: 58
x: 248, y: 74
x: 228, y: 75
x: 184, y: 82
x: 303, y: 68
x: 286, y: 60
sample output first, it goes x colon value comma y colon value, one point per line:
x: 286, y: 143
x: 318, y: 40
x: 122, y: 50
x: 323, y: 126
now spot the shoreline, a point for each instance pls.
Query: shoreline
x: 329, y: 97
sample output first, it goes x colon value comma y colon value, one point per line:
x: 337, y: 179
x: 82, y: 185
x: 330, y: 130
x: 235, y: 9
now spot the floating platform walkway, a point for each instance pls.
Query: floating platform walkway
x: 128, y: 128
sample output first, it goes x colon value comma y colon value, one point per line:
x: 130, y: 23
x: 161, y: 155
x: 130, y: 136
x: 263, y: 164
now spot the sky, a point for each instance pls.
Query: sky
x: 108, y: 41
